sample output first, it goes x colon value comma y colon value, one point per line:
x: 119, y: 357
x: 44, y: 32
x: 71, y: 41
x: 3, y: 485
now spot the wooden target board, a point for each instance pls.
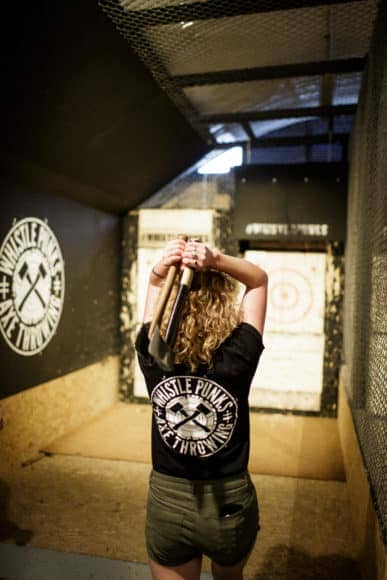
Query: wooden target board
x: 289, y: 375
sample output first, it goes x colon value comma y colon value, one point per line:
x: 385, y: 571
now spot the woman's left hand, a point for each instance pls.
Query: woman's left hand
x: 198, y: 256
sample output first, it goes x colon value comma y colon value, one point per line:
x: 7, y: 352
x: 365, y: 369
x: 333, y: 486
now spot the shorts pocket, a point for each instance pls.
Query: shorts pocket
x: 166, y: 535
x: 162, y: 531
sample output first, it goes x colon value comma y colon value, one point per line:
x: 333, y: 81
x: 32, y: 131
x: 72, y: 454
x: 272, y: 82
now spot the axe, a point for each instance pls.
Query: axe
x: 174, y: 319
x: 158, y: 348
x: 23, y: 272
x: 162, y: 349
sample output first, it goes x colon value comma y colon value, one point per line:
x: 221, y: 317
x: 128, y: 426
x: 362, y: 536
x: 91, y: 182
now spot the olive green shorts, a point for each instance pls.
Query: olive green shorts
x: 218, y: 518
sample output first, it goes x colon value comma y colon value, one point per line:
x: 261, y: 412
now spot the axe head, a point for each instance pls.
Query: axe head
x: 42, y: 271
x: 161, y: 351
x: 23, y: 270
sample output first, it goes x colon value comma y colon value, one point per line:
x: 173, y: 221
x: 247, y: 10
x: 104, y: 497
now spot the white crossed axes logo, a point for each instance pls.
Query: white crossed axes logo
x: 24, y: 273
x: 200, y: 409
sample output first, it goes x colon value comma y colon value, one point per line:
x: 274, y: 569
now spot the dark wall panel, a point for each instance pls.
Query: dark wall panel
x: 76, y: 101
x: 87, y: 329
x: 289, y: 198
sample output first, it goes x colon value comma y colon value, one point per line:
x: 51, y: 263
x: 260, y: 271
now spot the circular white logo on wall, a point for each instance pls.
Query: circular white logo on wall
x: 195, y: 416
x: 32, y: 286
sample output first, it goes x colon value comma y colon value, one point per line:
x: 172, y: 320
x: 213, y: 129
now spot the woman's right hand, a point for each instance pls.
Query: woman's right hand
x: 198, y: 256
x: 173, y: 253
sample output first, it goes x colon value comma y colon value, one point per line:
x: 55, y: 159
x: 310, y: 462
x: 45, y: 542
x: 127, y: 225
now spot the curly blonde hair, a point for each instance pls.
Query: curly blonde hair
x: 208, y: 317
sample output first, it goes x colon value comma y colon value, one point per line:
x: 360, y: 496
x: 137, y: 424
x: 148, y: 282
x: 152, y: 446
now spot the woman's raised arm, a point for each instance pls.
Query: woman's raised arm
x: 253, y: 305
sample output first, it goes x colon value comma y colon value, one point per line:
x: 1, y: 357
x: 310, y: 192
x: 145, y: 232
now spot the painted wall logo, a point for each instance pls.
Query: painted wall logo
x: 31, y: 286
x: 194, y: 416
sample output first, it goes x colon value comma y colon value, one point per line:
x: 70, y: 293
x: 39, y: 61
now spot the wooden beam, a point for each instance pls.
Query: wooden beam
x: 243, y: 75
x: 326, y: 91
x: 270, y: 114
x: 325, y: 139
x: 247, y: 129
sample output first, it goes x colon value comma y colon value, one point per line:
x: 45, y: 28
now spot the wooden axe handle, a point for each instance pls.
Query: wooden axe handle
x: 175, y: 316
x: 186, y: 277
x: 174, y: 319
x: 188, y: 273
x: 164, y: 294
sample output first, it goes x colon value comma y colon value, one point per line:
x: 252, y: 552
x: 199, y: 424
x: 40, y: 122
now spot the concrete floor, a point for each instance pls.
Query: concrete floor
x: 28, y: 563
x: 97, y: 507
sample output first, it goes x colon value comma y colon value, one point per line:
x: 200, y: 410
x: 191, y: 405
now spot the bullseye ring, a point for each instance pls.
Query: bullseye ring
x: 290, y: 296
x: 284, y: 295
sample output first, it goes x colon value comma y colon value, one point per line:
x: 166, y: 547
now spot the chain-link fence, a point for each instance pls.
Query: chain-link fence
x: 365, y: 289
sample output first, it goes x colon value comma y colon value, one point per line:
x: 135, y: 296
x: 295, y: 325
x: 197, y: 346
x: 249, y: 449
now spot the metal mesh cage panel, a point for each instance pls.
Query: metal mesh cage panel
x: 228, y: 133
x: 324, y: 152
x: 257, y: 95
x: 346, y: 89
x: 365, y: 298
x: 296, y: 154
x: 176, y: 38
x: 302, y: 127
x: 195, y: 43
x: 299, y: 128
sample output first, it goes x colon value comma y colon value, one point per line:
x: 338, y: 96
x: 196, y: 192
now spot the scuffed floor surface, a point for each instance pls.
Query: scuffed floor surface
x: 97, y: 507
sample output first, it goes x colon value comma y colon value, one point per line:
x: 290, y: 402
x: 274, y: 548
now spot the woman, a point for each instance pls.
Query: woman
x: 201, y: 499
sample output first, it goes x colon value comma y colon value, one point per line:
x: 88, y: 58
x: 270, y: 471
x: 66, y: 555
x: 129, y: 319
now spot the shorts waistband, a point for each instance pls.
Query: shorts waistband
x: 228, y: 482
